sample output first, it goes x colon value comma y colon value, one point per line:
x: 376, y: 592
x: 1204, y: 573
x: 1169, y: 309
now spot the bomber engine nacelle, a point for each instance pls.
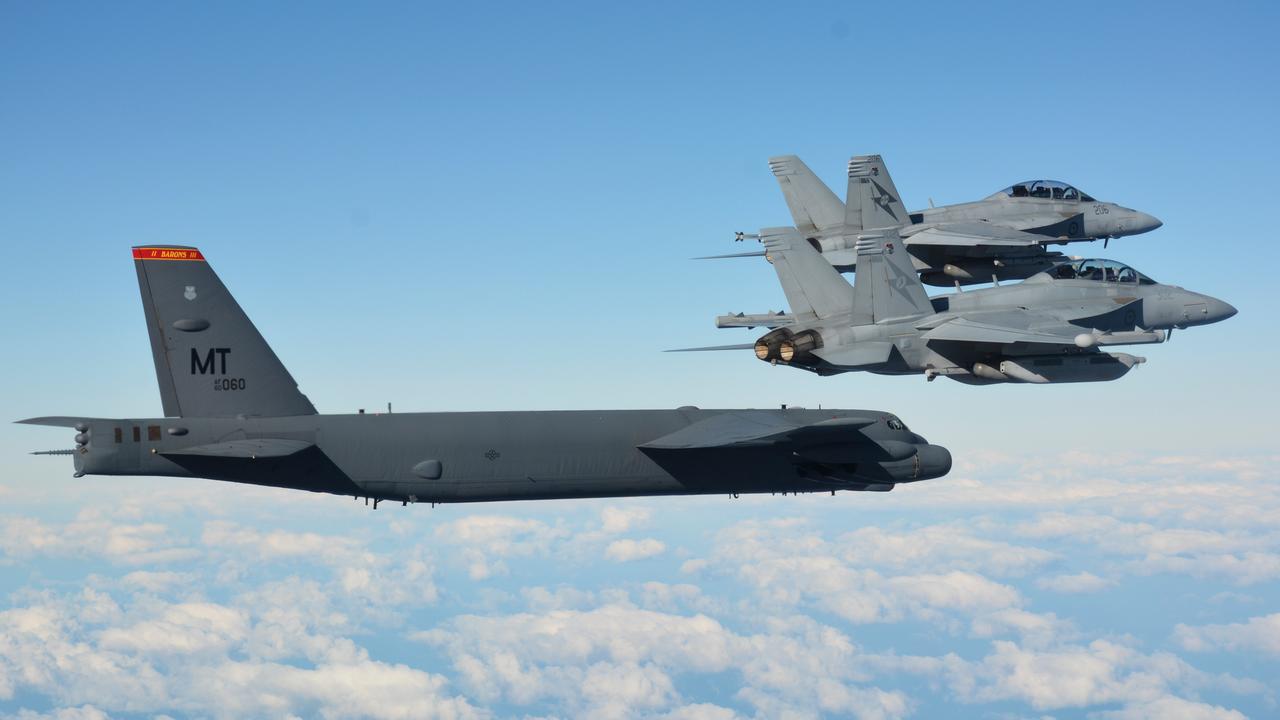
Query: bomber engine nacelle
x: 886, y: 461
x: 1040, y: 369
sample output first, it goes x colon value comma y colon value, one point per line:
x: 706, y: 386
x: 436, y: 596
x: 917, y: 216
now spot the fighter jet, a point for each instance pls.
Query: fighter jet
x: 1046, y: 329
x: 234, y: 413
x: 1001, y: 237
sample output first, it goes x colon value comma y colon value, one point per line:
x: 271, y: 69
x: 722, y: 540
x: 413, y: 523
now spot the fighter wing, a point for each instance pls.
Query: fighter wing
x: 244, y: 449
x: 962, y: 330
x: 735, y: 430
x: 970, y: 235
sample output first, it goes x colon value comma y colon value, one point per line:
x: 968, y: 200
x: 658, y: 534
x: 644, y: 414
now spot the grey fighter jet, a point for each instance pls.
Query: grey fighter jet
x: 1001, y: 237
x: 234, y: 413
x: 1048, y: 328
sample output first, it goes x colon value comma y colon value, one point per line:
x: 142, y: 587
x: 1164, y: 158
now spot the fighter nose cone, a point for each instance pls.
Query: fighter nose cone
x: 1142, y: 222
x: 1218, y: 311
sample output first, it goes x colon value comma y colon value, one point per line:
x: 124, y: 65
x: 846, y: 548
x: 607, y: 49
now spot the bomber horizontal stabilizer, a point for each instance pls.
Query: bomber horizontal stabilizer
x: 244, y: 449
x: 58, y: 421
x: 740, y: 430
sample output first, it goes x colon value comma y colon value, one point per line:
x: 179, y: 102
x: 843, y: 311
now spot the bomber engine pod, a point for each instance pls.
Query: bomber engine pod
x: 234, y: 413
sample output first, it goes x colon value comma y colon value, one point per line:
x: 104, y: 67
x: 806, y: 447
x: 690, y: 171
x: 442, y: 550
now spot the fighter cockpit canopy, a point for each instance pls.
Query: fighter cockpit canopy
x: 1045, y: 189
x: 1101, y: 271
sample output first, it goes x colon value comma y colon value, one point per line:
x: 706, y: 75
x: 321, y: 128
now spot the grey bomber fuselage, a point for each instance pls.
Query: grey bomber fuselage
x: 483, y: 456
x: 233, y: 412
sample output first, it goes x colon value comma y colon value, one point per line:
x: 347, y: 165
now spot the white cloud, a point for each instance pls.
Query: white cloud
x: 1081, y: 582
x: 92, y: 534
x: 197, y: 657
x: 1172, y: 707
x: 183, y: 629
x: 628, y: 652
x: 405, y: 578
x: 788, y: 564
x: 626, y: 550
x: 617, y: 520
x: 1259, y: 634
x: 487, y: 540
x: 938, y: 547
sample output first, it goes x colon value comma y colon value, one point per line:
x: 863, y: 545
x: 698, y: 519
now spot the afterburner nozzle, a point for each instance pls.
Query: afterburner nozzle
x: 787, y: 351
x: 762, y: 350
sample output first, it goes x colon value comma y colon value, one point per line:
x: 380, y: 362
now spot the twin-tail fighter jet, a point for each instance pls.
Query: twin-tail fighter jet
x: 1001, y: 237
x: 233, y: 412
x: 1049, y: 328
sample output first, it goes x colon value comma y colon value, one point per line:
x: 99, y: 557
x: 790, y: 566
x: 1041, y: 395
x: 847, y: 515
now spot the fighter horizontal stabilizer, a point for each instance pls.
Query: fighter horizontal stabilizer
x: 971, y: 235
x: 856, y: 355
x: 741, y: 430
x: 708, y: 348
x: 244, y: 449
x: 754, y: 253
x: 962, y: 330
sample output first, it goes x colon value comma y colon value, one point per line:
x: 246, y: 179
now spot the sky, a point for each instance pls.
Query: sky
x: 488, y: 206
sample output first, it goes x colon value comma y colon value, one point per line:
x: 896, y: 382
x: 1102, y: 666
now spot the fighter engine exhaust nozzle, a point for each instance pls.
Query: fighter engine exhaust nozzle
x: 798, y: 346
x: 769, y: 346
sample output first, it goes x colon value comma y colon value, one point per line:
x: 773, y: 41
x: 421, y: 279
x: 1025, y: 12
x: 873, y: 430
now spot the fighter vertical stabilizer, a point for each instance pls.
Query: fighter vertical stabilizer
x: 872, y: 201
x: 814, y: 208
x: 887, y: 286
x: 814, y: 289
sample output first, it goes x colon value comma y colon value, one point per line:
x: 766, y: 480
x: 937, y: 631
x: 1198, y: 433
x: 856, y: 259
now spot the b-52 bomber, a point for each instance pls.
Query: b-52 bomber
x: 1001, y: 237
x: 1046, y: 329
x: 234, y: 413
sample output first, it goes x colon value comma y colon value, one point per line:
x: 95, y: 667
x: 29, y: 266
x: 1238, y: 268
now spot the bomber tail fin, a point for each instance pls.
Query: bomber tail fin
x: 210, y: 359
x: 872, y: 201
x: 813, y: 206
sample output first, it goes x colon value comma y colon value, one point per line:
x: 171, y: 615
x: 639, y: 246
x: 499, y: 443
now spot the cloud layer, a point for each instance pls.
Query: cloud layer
x: 1072, y: 586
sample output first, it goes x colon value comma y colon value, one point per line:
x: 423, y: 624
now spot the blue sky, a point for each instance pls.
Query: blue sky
x: 489, y: 207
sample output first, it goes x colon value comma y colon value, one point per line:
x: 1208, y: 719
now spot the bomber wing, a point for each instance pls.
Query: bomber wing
x: 756, y: 429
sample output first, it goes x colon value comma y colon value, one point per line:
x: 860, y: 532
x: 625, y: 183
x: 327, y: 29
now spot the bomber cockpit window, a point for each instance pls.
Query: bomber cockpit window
x: 895, y: 424
x: 1102, y: 270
